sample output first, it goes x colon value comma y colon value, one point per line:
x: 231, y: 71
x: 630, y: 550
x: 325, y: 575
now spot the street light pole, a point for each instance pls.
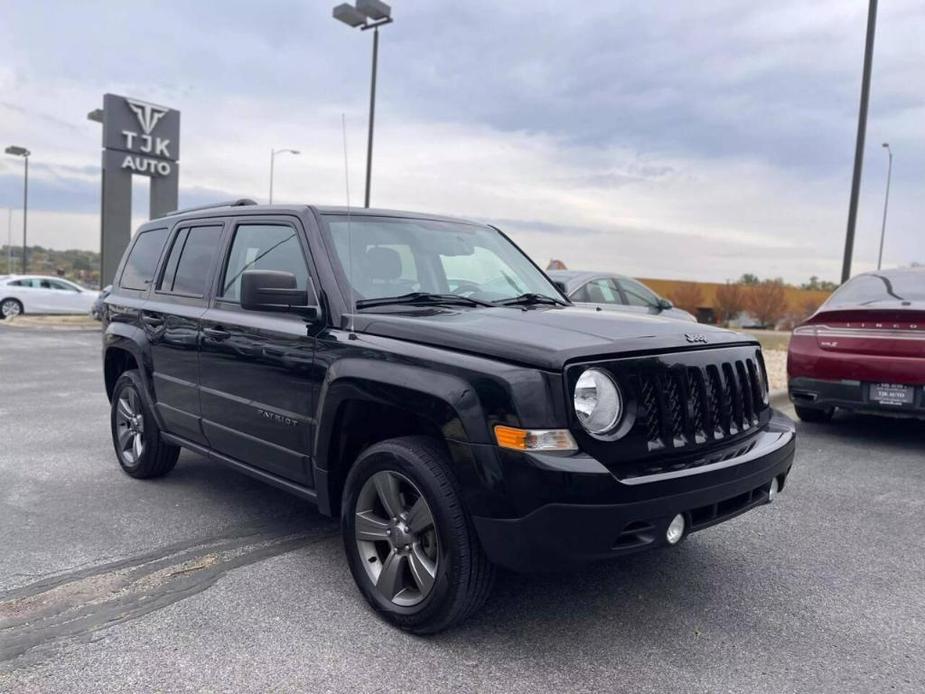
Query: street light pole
x: 886, y: 202
x: 372, y: 116
x: 273, y: 153
x: 368, y: 14
x: 9, y: 240
x: 24, y: 153
x: 859, y: 145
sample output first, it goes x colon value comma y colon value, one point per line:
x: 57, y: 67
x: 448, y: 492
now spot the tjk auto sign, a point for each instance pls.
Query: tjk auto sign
x: 148, y: 134
x: 138, y: 138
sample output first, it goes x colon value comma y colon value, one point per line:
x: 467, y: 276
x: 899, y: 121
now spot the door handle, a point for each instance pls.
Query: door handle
x: 152, y: 321
x: 217, y: 334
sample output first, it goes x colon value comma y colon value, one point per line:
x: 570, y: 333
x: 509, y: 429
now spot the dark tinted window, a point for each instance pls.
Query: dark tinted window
x: 139, y: 268
x: 187, y: 269
x: 170, y: 271
x: 881, y: 288
x: 263, y: 247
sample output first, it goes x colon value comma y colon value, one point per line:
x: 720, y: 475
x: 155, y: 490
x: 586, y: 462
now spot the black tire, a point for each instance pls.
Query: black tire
x: 155, y: 457
x: 814, y: 414
x: 11, y: 307
x: 462, y: 575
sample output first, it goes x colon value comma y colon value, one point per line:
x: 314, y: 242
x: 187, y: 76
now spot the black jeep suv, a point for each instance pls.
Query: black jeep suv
x: 420, y: 377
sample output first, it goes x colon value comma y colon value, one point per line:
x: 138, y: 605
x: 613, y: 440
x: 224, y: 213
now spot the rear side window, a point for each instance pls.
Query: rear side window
x: 142, y: 259
x: 263, y: 247
x: 191, y: 255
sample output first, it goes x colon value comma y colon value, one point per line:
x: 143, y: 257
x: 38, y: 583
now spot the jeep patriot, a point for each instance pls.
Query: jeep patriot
x: 421, y: 378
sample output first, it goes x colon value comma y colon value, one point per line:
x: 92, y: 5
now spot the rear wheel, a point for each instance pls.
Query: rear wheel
x: 410, y: 545
x: 814, y: 414
x: 10, y: 308
x: 135, y: 434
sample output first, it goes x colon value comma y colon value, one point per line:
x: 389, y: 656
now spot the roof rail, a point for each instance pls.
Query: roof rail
x: 240, y: 202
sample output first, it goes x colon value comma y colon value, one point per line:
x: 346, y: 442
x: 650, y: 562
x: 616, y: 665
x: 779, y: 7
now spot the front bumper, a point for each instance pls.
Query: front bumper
x: 850, y: 395
x: 562, y: 534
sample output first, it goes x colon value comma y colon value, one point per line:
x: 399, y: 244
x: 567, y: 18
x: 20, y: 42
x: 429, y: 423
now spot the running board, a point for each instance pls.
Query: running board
x: 263, y: 476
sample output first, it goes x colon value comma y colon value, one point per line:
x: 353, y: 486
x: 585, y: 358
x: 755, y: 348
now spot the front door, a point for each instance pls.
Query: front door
x: 171, y: 321
x: 256, y: 389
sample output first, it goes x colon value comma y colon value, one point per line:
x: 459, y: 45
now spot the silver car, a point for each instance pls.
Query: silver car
x: 616, y: 293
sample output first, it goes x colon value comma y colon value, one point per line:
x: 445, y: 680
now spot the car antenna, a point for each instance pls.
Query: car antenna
x: 353, y: 304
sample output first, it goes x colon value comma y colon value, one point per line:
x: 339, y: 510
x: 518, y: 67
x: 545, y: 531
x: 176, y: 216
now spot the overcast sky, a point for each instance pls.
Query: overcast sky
x: 661, y: 139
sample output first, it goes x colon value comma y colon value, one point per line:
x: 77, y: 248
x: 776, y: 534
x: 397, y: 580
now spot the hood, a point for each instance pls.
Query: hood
x: 545, y: 337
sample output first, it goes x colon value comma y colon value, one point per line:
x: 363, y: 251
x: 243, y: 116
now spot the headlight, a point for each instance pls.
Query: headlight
x: 598, y: 402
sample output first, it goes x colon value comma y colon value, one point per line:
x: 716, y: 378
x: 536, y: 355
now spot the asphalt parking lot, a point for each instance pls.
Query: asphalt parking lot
x: 208, y: 580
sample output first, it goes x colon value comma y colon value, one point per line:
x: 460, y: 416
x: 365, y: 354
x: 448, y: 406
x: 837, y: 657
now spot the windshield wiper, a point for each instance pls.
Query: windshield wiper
x: 422, y: 299
x: 529, y: 299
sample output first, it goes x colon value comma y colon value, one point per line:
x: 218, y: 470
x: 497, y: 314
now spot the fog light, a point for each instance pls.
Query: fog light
x: 772, y: 492
x: 675, y: 530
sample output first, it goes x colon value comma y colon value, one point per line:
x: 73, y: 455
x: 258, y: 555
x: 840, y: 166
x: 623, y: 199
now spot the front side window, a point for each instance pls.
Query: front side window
x: 600, y: 291
x: 637, y: 294
x: 385, y: 257
x: 142, y: 259
x: 263, y: 247
x: 191, y: 255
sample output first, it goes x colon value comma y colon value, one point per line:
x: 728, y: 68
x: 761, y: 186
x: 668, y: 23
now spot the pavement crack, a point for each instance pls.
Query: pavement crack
x: 75, y: 605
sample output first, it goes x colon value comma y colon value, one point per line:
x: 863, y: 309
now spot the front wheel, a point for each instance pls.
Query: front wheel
x: 410, y: 545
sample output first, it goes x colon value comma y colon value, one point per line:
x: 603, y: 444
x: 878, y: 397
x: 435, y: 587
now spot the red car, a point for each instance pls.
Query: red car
x: 863, y: 350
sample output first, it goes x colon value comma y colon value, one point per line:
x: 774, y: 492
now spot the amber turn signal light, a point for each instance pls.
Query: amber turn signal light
x: 535, y: 439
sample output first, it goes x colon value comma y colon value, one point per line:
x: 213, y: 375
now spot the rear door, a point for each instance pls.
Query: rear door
x: 256, y: 385
x: 171, y: 321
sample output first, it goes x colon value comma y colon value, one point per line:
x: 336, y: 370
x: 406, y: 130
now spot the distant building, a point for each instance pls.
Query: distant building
x: 800, y: 302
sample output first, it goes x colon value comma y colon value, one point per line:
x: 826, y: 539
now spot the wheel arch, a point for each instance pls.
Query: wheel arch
x: 363, y: 404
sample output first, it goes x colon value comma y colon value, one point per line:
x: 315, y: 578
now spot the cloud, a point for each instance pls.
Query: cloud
x: 692, y: 140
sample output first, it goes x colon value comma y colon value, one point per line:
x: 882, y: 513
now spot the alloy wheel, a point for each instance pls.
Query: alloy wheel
x: 130, y: 424
x: 10, y: 308
x: 396, y: 538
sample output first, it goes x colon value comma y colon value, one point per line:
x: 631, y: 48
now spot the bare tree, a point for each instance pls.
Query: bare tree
x: 728, y: 302
x: 687, y: 295
x: 767, y: 302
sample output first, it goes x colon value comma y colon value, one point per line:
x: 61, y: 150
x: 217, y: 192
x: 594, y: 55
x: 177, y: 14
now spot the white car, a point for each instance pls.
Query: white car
x: 40, y: 294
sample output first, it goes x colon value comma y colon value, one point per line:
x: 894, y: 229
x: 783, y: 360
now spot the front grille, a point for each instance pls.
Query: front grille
x: 685, y: 405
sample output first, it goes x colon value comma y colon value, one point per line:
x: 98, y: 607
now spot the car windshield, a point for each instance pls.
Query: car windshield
x: 394, y: 257
x: 875, y: 288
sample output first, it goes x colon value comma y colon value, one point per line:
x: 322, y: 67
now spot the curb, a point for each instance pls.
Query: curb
x: 779, y: 398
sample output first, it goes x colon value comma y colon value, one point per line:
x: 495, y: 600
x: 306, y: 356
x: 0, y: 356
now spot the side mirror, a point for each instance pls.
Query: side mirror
x: 560, y: 286
x: 272, y: 290
x: 665, y: 305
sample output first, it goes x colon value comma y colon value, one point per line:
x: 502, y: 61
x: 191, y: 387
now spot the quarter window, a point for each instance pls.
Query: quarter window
x: 139, y: 267
x: 263, y: 247
x: 191, y: 254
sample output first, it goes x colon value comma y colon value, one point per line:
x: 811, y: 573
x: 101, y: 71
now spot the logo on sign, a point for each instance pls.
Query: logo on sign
x: 148, y: 114
x: 145, y: 142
